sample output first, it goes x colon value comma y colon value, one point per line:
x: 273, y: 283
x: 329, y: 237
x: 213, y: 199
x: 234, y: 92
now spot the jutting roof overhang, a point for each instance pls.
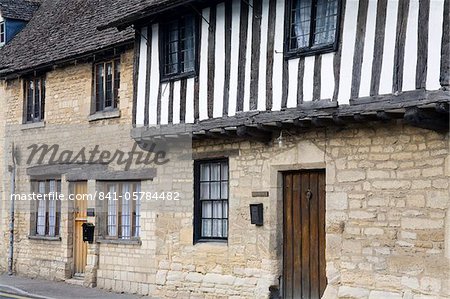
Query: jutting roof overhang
x: 420, y: 108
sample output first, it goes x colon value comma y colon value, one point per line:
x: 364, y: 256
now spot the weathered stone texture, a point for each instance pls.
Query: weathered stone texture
x: 387, y: 203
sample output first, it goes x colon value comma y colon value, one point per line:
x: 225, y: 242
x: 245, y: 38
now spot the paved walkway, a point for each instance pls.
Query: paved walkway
x: 20, y: 287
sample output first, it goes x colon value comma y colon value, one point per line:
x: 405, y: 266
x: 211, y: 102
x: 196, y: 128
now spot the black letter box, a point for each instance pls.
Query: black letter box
x: 88, y: 232
x: 256, y: 214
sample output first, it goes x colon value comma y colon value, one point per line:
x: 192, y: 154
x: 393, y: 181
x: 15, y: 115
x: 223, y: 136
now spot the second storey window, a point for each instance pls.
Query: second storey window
x: 312, y: 26
x: 211, y: 200
x: 48, y: 207
x: 179, y: 48
x: 123, y: 210
x: 2, y: 33
x: 107, y: 84
x: 35, y: 99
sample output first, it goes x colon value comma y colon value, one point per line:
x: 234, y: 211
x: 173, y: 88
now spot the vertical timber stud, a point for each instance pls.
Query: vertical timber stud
x: 317, y: 77
x: 211, y: 59
x: 378, y: 47
x: 256, y: 45
x: 242, y: 52
x: 338, y: 53
x: 270, y: 53
x: 359, y: 48
x: 226, y: 86
x: 137, y: 38
x: 147, y: 83
x: 183, y: 90
x: 399, y: 56
x: 422, y: 44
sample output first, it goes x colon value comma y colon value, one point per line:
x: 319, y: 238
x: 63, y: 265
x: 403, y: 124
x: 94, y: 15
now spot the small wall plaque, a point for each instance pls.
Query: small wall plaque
x: 260, y: 194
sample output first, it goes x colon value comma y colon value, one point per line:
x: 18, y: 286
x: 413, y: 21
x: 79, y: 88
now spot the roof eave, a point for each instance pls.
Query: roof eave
x: 146, y: 12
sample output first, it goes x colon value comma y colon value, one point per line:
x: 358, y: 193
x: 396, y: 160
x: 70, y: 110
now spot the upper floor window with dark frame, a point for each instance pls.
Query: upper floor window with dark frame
x: 179, y: 47
x: 2, y: 33
x: 312, y: 26
x: 211, y: 200
x: 107, y: 84
x: 34, y: 99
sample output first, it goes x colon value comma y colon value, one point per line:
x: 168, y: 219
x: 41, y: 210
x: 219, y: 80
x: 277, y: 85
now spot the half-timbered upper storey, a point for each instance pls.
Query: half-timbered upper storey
x: 201, y: 60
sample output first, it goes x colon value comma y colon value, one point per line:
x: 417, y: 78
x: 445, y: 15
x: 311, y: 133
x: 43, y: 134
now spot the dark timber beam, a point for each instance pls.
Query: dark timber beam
x: 442, y: 108
x: 427, y: 119
x: 254, y: 133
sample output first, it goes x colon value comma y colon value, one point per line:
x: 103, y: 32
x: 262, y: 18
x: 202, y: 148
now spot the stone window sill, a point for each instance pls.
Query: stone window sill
x: 45, y: 238
x: 104, y: 115
x: 36, y: 125
x: 119, y: 241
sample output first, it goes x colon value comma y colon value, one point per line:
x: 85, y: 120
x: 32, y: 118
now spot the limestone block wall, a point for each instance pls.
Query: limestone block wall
x: 387, y: 200
x: 68, y: 105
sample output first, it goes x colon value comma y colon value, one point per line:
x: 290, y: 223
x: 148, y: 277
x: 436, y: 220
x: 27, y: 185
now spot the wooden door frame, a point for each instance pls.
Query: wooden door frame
x: 74, y: 223
x: 281, y: 180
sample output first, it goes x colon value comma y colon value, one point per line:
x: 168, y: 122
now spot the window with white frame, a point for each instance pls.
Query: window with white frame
x: 2, y: 33
x: 48, y: 208
x: 123, y: 210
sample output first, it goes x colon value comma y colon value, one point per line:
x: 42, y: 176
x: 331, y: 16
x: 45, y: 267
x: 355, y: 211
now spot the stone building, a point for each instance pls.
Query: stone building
x: 303, y: 147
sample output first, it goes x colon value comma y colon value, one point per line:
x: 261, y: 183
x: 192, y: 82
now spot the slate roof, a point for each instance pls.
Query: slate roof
x: 128, y: 11
x: 59, y: 31
x: 18, y: 9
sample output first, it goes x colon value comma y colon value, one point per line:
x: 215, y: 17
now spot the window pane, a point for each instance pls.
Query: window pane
x: 217, y: 228
x: 138, y: 212
x: 224, y: 171
x: 99, y: 86
x: 116, y: 81
x: 215, y: 172
x: 215, y: 190
x: 42, y: 98
x: 37, y: 95
x: 225, y: 209
x: 217, y: 209
x: 2, y: 33
x: 207, y: 209
x: 224, y: 190
x: 188, y: 44
x: 204, y: 190
x: 225, y: 228
x: 300, y: 27
x: 171, y: 38
x: 326, y: 19
x: 52, y: 216
x: 30, y: 102
x: 206, y: 227
x: 112, y: 212
x: 126, y: 212
x: 109, y: 85
x: 41, y: 211
x: 204, y: 172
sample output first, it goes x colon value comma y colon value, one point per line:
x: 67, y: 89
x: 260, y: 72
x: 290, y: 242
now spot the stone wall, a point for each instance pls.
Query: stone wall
x: 386, y: 216
x: 68, y: 105
x: 387, y: 199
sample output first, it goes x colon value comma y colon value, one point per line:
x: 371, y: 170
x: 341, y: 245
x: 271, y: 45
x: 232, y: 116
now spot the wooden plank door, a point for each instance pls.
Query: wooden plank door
x: 80, y: 216
x: 304, y: 274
